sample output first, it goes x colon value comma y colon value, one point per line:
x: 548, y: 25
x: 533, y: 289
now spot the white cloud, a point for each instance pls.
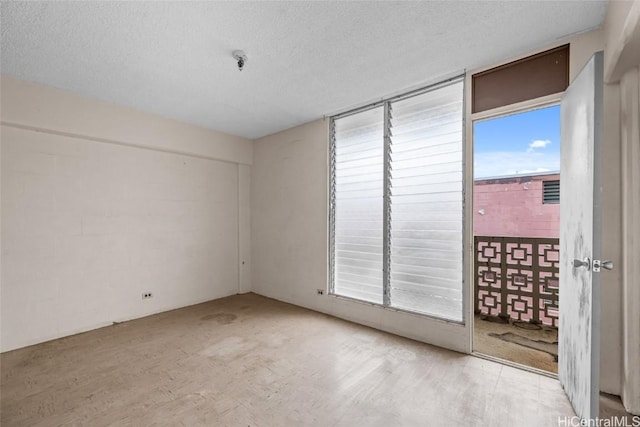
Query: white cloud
x: 538, y: 143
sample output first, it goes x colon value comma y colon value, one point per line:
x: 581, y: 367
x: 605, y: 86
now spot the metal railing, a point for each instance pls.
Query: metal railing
x: 517, y: 278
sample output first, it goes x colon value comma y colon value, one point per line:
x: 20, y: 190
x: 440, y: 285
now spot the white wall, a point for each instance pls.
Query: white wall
x: 630, y: 123
x: 622, y: 59
x: 611, y: 247
x: 37, y: 106
x: 622, y: 34
x: 98, y: 207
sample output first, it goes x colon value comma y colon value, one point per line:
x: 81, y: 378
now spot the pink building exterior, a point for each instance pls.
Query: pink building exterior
x: 513, y: 207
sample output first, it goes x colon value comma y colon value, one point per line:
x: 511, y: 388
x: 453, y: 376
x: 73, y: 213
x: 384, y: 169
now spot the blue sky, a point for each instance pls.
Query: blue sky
x: 518, y: 144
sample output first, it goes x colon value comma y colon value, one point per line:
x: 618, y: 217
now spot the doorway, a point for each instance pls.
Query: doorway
x: 516, y: 229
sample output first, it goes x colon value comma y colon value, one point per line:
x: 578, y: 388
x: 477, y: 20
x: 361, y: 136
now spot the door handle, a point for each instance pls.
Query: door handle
x: 584, y: 263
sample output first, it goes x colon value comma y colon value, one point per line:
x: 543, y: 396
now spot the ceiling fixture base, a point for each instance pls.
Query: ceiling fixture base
x: 241, y: 58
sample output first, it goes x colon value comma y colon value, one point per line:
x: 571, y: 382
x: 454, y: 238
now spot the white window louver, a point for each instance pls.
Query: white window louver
x: 426, y: 203
x: 401, y: 247
x: 358, y: 181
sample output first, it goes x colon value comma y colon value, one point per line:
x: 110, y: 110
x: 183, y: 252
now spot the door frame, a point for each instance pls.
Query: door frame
x: 520, y: 107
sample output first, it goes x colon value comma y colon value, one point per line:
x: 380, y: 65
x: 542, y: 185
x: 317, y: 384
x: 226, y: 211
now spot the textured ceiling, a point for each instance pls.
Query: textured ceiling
x: 306, y: 59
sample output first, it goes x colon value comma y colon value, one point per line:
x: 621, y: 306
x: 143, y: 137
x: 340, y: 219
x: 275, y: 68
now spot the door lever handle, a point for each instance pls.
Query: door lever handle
x: 607, y: 265
x: 584, y: 263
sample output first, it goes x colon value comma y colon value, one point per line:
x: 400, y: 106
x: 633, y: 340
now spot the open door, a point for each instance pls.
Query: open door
x: 580, y: 217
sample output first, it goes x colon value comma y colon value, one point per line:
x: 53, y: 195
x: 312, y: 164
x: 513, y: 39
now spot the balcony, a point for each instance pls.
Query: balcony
x: 516, y: 298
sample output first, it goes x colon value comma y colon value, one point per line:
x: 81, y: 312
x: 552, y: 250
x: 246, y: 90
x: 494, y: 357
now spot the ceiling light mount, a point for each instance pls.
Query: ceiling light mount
x: 241, y: 57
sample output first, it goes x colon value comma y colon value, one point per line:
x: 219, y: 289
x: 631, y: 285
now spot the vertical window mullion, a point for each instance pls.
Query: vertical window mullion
x: 386, y: 248
x: 332, y: 205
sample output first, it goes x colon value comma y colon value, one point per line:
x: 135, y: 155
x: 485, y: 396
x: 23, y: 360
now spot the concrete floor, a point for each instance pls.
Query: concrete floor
x: 486, y: 340
x: 251, y: 361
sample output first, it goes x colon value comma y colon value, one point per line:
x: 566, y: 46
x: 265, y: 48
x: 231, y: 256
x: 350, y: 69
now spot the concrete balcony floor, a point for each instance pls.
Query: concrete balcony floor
x: 535, y: 346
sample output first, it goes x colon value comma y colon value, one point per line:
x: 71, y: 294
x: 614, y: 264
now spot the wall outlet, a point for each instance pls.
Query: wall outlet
x: 320, y: 291
x: 147, y: 295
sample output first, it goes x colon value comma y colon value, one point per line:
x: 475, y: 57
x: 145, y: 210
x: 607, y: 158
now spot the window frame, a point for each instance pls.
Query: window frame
x: 386, y: 103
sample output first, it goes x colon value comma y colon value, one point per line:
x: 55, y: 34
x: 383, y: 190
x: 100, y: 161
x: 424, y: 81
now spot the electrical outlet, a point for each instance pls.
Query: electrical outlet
x: 320, y: 291
x: 147, y: 295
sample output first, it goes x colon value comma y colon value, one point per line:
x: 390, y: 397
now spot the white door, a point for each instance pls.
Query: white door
x: 580, y: 208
